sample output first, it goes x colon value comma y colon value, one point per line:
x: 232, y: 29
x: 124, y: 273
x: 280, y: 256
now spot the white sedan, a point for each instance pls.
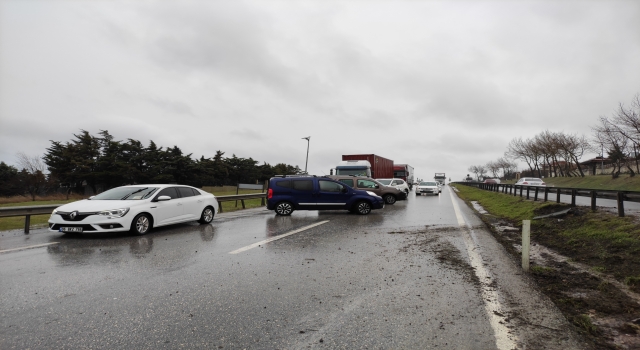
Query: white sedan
x: 428, y: 187
x: 136, y: 208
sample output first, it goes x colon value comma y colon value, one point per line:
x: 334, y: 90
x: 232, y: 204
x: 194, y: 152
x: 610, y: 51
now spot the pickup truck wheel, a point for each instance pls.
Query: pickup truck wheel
x: 284, y: 208
x: 389, y: 198
x: 407, y: 192
x: 363, y: 207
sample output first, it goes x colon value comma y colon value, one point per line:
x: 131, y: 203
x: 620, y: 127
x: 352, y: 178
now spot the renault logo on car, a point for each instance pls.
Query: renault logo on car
x: 73, y: 215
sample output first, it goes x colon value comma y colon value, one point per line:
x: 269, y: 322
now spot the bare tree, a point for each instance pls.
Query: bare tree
x: 616, y: 144
x: 32, y: 177
x: 494, y: 169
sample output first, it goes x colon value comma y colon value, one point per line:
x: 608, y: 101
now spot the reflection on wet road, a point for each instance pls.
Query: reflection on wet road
x: 375, y: 281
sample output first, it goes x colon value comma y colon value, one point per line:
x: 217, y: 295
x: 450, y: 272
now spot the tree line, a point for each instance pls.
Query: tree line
x: 100, y: 163
x: 559, y: 153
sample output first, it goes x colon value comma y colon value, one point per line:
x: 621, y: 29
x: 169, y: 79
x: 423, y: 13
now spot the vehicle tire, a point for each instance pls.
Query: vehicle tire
x: 207, y: 216
x: 363, y: 207
x: 389, y: 199
x: 407, y: 192
x: 284, y: 208
x: 141, y: 224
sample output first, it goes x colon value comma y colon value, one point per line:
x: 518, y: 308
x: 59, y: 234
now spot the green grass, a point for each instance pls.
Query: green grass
x: 601, y: 182
x: 503, y: 205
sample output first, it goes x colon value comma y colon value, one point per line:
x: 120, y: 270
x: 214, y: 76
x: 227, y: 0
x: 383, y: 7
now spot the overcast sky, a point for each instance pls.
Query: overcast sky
x: 440, y: 85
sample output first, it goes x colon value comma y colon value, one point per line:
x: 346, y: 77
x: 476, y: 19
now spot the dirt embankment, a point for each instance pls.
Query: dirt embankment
x: 588, y: 279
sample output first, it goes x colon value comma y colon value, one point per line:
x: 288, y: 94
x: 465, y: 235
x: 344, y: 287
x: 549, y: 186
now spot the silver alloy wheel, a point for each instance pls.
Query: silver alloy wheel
x: 142, y: 224
x: 389, y: 199
x: 207, y: 215
x: 284, y: 208
x: 364, y: 208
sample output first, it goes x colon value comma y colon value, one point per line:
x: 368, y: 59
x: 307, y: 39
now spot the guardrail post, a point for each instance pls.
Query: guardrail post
x: 27, y: 223
x: 526, y: 240
x: 242, y: 201
x: 593, y: 200
x: 219, y: 207
x: 546, y: 194
x: 527, y: 192
x: 535, y: 195
x: 621, y: 204
x: 520, y: 191
x: 573, y: 198
x: 558, y: 195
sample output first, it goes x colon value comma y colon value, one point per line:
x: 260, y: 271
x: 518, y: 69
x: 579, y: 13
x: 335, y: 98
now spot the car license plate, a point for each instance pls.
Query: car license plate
x: 70, y: 229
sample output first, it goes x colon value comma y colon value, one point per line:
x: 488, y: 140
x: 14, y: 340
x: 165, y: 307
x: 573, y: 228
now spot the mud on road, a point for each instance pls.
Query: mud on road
x: 586, y: 279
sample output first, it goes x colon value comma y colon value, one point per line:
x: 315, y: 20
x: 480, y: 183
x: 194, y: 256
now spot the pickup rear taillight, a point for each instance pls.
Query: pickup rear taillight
x: 543, y: 184
x: 525, y: 183
x: 270, y: 193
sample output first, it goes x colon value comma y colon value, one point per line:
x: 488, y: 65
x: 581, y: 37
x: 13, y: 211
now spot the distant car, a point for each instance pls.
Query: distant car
x: 388, y: 193
x: 397, y: 183
x: 531, y: 181
x: 428, y: 187
x: 288, y: 193
x: 136, y: 208
x: 491, y: 181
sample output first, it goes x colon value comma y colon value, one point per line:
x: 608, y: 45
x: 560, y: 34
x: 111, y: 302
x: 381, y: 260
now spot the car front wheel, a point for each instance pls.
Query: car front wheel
x: 284, y: 208
x: 363, y: 208
x: 389, y: 199
x: 141, y: 224
x: 207, y: 216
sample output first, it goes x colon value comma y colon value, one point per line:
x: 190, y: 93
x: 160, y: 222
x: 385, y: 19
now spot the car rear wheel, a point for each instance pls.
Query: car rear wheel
x: 207, y: 216
x: 141, y: 224
x: 389, y: 199
x: 284, y: 208
x: 407, y: 192
x: 363, y: 207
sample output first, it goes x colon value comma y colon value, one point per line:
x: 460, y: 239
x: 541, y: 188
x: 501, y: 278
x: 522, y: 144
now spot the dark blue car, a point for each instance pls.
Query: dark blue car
x: 293, y: 192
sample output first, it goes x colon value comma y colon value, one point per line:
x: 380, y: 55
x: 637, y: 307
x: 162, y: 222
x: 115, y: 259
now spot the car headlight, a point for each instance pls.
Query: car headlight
x: 372, y: 194
x: 114, y: 213
x: 55, y: 211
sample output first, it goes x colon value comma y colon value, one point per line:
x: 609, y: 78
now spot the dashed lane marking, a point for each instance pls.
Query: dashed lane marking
x: 251, y: 246
x: 28, y: 247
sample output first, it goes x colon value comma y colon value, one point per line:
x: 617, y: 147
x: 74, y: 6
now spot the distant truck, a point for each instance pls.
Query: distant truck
x: 405, y: 172
x: 441, y: 178
x: 370, y: 165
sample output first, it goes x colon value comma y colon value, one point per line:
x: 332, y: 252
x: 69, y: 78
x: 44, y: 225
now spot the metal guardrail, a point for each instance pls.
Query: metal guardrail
x: 537, y: 191
x: 27, y: 211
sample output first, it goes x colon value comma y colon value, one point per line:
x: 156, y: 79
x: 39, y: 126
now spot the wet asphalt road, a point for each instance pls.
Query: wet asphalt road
x: 389, y: 280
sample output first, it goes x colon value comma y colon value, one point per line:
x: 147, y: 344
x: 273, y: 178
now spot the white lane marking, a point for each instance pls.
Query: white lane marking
x: 28, y: 247
x: 504, y: 341
x: 251, y: 246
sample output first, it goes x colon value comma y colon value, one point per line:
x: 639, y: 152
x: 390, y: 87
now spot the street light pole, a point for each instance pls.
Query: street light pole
x: 308, y: 138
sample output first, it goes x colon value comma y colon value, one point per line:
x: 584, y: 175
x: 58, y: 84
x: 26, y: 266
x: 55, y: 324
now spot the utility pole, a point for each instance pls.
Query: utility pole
x: 308, y: 138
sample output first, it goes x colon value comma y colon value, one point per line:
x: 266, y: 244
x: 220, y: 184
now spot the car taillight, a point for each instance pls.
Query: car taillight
x: 543, y: 184
x: 525, y: 183
x: 270, y: 193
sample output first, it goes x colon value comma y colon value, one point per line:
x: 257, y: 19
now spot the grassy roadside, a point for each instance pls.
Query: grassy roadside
x: 603, y: 182
x: 609, y: 247
x: 15, y: 223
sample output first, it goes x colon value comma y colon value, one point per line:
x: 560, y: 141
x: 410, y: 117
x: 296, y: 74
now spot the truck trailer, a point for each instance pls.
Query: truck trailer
x: 441, y: 178
x: 405, y: 172
x: 371, y: 165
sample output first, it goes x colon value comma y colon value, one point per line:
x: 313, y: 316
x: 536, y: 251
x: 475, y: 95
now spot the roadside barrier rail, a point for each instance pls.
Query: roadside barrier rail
x: 543, y: 193
x: 27, y: 211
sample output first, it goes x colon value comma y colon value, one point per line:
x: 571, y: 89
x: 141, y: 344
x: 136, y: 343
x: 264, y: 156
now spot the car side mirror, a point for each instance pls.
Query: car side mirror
x: 163, y: 198
x: 376, y: 186
x: 344, y: 190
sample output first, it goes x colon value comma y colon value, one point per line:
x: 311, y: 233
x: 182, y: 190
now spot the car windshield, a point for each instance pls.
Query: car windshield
x: 130, y: 193
x: 384, y: 182
x: 427, y: 184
